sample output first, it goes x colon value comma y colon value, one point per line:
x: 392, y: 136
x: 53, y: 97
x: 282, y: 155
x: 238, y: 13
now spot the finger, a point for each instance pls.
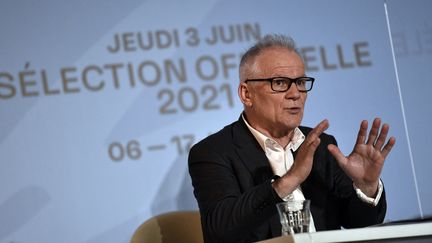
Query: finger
x: 374, y: 131
x: 388, y: 147
x: 319, y: 129
x: 339, y: 156
x: 313, y: 145
x: 312, y: 140
x: 382, y: 136
x: 361, y: 136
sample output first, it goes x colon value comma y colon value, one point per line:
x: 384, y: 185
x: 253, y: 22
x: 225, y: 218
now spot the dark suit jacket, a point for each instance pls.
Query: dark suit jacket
x: 231, y: 177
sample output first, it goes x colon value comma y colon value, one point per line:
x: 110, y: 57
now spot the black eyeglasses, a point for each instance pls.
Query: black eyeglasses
x: 282, y: 84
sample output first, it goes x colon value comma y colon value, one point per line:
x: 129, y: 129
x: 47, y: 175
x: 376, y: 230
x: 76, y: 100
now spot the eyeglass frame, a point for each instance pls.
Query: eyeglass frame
x: 292, y: 80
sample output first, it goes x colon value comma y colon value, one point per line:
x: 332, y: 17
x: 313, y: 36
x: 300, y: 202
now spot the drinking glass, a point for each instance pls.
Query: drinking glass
x: 294, y: 216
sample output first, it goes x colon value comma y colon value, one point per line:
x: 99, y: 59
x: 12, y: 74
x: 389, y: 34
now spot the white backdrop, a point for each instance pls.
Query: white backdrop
x: 100, y: 101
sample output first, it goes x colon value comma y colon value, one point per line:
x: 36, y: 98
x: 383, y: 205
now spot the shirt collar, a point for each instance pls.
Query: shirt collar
x: 265, y: 141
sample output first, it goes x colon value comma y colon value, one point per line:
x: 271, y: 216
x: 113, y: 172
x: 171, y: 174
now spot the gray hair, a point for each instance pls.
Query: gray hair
x: 268, y: 41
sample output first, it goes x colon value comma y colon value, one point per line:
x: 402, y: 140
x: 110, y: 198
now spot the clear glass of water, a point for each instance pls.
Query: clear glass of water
x: 294, y: 216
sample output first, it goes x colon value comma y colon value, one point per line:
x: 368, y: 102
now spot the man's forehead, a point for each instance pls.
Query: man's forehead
x: 273, y: 61
x: 278, y: 60
x: 277, y: 51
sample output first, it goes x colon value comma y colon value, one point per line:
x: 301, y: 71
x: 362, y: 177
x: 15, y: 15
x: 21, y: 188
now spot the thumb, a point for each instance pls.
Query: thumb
x: 335, y: 151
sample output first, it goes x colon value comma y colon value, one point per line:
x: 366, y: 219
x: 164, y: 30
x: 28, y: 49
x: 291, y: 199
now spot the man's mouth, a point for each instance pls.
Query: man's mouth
x: 293, y: 110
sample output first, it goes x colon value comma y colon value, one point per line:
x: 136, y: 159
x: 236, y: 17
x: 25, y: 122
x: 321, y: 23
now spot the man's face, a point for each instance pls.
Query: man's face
x: 276, y: 112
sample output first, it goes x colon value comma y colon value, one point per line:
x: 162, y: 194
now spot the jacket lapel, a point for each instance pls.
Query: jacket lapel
x: 255, y: 160
x: 251, y: 153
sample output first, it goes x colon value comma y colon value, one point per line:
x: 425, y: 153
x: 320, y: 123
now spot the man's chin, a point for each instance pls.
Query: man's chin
x: 292, y: 125
x: 293, y: 122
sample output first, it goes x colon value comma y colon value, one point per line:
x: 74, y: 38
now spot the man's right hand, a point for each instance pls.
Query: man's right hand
x: 302, y: 164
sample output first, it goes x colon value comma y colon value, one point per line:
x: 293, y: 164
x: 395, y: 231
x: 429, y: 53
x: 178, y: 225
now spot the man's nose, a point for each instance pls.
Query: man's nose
x: 292, y: 92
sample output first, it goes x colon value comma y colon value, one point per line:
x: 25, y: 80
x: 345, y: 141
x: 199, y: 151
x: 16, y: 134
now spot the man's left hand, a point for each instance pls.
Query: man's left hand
x: 366, y: 161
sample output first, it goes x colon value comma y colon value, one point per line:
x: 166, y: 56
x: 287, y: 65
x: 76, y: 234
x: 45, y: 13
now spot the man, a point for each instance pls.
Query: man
x: 242, y: 171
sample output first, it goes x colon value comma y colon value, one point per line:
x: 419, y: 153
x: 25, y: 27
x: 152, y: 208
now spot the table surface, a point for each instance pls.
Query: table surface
x: 361, y: 234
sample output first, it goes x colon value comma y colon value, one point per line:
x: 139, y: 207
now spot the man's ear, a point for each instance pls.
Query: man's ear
x: 245, y: 94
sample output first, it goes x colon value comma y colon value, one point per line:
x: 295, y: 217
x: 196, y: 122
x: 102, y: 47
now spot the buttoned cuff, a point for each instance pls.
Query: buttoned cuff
x: 370, y: 200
